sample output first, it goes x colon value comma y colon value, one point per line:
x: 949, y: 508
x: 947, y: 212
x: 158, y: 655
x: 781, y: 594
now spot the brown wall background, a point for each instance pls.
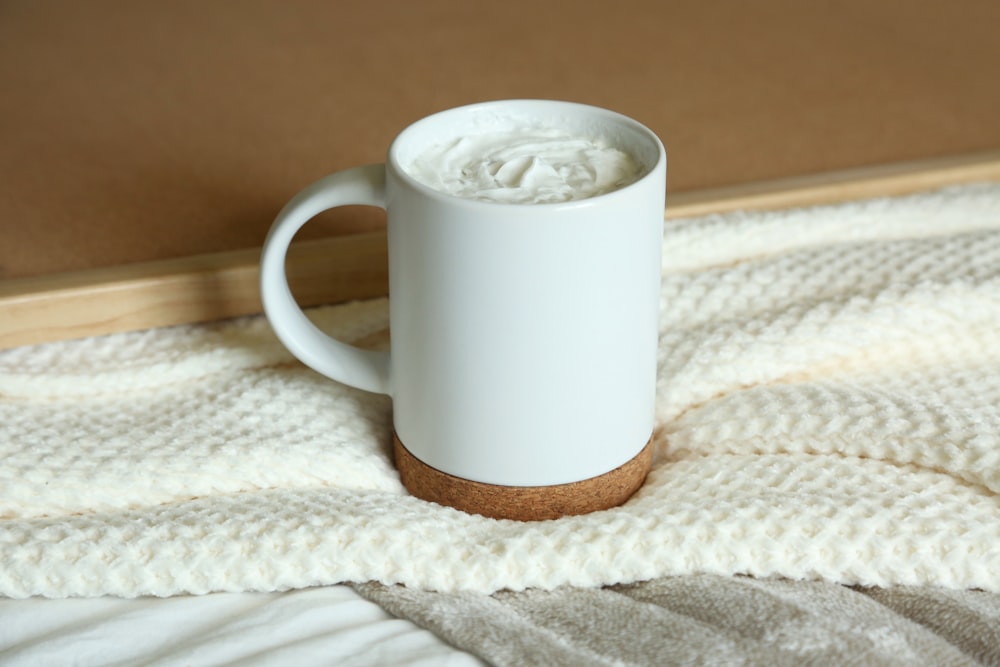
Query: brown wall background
x: 133, y: 130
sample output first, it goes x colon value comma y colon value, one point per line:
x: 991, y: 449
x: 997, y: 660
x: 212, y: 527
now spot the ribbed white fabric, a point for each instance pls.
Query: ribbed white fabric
x: 829, y: 407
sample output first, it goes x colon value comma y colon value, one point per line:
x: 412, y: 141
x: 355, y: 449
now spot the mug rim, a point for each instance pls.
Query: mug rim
x: 394, y: 163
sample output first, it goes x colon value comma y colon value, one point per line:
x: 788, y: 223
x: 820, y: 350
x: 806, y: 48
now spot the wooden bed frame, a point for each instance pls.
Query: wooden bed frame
x: 223, y: 285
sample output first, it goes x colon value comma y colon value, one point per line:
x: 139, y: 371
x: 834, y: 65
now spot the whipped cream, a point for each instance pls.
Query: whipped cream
x: 525, y: 166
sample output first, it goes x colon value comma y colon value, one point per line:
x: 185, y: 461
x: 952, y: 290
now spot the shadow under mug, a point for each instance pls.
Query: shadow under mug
x: 523, y: 349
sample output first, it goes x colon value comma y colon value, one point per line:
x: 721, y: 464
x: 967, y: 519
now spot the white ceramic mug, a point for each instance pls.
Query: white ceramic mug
x: 523, y: 336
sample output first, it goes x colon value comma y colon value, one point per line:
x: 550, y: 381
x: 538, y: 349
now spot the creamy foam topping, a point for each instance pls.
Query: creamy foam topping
x: 525, y: 166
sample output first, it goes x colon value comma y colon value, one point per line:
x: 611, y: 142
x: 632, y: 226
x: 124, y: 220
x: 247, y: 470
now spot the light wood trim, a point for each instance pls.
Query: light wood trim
x: 217, y: 286
x: 191, y: 289
x: 838, y: 186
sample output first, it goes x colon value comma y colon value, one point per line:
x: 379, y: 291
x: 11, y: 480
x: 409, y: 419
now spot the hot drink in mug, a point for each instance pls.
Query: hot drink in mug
x: 524, y: 275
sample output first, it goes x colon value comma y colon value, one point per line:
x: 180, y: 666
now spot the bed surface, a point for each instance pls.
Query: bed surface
x: 320, y: 626
x: 672, y: 621
x: 840, y: 425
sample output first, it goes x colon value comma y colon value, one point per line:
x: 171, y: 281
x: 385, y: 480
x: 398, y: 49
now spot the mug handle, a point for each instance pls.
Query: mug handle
x: 364, y: 369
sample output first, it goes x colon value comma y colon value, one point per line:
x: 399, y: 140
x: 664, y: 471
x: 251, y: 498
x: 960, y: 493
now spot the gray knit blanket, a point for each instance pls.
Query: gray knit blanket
x: 707, y: 619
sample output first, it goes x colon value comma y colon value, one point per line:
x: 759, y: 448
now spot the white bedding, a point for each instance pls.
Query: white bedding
x: 828, y: 407
x: 847, y: 433
x: 331, y: 625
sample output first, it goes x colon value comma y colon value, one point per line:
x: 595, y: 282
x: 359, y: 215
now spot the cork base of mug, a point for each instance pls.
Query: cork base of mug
x: 523, y: 503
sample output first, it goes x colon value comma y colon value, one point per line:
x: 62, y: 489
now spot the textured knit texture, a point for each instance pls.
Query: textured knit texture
x: 829, y: 407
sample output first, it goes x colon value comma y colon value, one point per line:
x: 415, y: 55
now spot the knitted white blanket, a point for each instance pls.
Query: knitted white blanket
x: 829, y: 407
